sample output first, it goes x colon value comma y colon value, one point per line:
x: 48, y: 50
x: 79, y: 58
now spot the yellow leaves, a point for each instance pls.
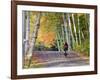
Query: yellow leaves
x: 43, y: 19
x: 43, y: 24
x: 47, y: 38
x: 46, y: 35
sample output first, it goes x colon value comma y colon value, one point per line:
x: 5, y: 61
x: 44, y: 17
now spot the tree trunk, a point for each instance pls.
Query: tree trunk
x: 23, y: 31
x: 82, y: 35
x: 27, y: 31
x: 79, y: 30
x: 74, y: 28
x: 66, y: 30
x: 34, y: 35
x: 63, y: 35
x: 58, y: 45
x: 70, y: 27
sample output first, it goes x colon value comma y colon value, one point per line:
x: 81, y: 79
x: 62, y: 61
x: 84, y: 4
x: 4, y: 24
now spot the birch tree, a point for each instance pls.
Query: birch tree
x: 63, y: 35
x: 34, y: 35
x: 57, y: 39
x: 26, y: 26
x: 74, y: 28
x: 23, y: 31
x: 66, y: 29
x: 79, y: 30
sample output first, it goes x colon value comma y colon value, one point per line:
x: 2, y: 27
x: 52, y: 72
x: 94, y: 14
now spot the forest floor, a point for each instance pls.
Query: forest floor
x: 57, y: 59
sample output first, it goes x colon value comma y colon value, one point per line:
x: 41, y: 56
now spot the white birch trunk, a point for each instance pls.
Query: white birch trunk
x: 82, y: 35
x: 79, y: 30
x: 23, y: 35
x: 70, y: 27
x: 23, y: 30
x: 58, y: 42
x: 26, y: 31
x: 66, y: 31
x: 63, y: 33
x: 74, y: 28
x: 34, y: 35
